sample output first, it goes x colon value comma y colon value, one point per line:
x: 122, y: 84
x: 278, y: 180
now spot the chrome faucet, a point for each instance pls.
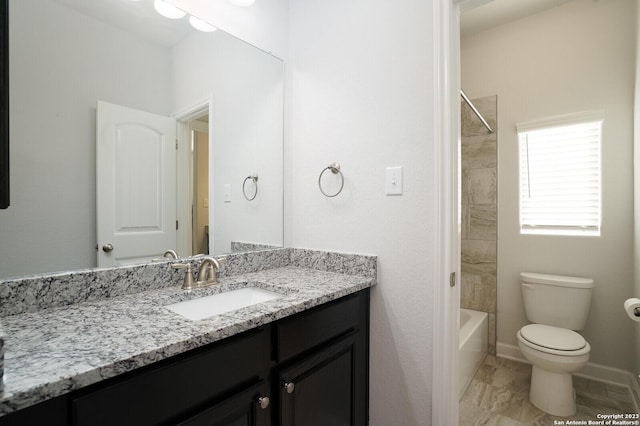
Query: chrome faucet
x: 207, y: 273
x: 170, y: 254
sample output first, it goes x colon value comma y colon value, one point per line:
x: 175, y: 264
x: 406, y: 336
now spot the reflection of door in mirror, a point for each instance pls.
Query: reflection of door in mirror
x: 200, y: 207
x: 135, y: 178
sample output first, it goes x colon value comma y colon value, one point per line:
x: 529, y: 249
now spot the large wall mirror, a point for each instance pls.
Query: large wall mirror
x: 224, y: 96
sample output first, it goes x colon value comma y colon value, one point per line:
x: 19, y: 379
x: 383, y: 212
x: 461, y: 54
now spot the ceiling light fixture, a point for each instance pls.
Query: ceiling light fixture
x: 167, y: 10
x: 201, y: 25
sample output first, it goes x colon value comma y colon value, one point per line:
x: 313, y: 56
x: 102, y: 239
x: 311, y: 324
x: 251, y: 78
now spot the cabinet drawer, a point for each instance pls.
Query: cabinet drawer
x: 161, y: 394
x: 311, y: 328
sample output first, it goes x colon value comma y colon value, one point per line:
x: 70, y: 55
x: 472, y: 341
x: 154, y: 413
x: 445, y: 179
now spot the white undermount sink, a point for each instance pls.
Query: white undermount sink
x: 220, y: 303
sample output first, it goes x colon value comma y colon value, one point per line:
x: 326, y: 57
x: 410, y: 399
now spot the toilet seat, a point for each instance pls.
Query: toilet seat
x: 553, y: 340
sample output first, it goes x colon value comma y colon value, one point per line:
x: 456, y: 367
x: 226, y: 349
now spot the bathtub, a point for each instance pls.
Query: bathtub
x: 474, y: 341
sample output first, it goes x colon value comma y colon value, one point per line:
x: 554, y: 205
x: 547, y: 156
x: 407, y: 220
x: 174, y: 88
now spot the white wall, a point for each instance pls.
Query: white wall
x: 264, y: 24
x: 576, y: 57
x: 360, y: 87
x: 247, y: 86
x: 61, y: 64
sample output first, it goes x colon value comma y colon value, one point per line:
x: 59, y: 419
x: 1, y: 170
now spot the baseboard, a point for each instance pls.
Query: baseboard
x: 510, y: 352
x: 591, y: 371
x: 635, y: 391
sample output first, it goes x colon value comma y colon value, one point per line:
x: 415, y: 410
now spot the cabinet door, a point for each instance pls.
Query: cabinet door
x: 321, y: 389
x: 250, y: 407
x: 175, y: 388
x: 53, y: 412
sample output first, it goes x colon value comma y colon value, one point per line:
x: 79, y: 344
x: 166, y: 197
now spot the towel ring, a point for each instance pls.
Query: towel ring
x: 254, y: 178
x: 335, y: 169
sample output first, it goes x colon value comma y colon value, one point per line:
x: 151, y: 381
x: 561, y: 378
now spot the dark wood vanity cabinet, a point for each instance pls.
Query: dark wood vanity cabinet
x: 323, y: 371
x: 305, y: 370
x: 179, y: 389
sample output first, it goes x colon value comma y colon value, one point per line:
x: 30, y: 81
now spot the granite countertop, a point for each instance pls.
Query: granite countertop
x: 54, y: 351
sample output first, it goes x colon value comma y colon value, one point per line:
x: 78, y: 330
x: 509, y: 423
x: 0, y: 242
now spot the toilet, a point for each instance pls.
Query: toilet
x: 556, y: 305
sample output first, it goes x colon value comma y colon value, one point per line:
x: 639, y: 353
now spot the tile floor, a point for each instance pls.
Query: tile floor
x: 499, y: 395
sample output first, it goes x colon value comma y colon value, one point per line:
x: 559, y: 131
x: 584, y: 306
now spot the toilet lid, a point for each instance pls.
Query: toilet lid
x: 557, y: 338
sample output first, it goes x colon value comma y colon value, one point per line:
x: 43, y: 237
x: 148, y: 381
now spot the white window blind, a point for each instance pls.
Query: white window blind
x: 560, y: 175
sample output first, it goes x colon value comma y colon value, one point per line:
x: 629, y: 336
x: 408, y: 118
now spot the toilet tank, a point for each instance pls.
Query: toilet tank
x: 556, y: 300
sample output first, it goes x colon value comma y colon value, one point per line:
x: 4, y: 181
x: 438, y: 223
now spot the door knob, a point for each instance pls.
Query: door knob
x: 289, y: 386
x: 107, y: 248
x: 263, y: 401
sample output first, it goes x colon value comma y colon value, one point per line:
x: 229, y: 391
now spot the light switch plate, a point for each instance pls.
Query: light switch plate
x: 394, y: 180
x: 227, y: 193
x: 205, y: 203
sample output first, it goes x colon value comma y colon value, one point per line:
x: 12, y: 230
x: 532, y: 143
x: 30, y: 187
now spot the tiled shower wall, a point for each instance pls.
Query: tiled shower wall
x: 479, y: 212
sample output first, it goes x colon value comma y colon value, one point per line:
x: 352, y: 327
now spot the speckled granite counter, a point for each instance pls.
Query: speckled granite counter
x: 53, y: 351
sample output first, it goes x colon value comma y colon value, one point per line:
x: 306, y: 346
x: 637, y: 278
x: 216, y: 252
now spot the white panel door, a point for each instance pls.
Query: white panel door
x: 136, y: 178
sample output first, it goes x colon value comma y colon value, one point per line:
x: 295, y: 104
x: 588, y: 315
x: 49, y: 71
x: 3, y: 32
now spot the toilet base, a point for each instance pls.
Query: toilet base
x: 552, y: 392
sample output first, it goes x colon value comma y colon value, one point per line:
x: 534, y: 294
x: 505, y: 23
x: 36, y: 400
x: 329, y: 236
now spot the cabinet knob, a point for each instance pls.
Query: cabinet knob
x: 289, y: 386
x: 263, y: 401
x: 107, y: 248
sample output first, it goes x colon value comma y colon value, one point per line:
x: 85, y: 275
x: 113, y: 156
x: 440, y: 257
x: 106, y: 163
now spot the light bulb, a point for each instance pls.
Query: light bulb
x: 201, y: 25
x: 167, y: 10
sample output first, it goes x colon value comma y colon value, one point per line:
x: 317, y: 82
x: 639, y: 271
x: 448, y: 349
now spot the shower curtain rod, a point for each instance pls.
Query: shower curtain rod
x: 475, y: 110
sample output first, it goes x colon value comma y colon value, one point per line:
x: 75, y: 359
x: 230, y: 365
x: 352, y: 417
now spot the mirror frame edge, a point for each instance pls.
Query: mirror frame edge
x: 4, y: 104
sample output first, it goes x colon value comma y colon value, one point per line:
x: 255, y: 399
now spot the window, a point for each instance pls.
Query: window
x: 560, y: 175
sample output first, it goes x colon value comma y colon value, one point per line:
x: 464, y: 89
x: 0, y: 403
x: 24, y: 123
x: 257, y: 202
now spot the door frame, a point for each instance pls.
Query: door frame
x: 446, y: 36
x: 184, y: 167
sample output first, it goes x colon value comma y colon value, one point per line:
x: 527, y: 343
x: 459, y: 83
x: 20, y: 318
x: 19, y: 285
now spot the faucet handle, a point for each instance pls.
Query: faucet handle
x: 188, y: 283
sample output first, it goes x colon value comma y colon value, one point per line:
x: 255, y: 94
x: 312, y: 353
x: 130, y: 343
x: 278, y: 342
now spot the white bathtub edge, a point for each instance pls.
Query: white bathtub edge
x: 473, y: 347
